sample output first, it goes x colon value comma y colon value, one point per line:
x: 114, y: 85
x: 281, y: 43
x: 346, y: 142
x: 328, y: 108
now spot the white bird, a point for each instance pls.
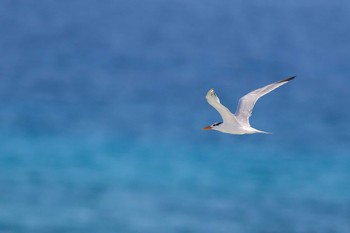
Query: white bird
x: 238, y: 123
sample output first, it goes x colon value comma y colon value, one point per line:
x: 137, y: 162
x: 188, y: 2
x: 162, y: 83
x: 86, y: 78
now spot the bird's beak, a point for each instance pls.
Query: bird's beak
x: 207, y: 128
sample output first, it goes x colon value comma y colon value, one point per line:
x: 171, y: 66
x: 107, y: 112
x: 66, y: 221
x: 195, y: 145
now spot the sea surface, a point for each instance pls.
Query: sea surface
x: 102, y: 105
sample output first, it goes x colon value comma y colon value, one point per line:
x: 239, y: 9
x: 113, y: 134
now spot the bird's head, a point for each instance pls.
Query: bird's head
x: 214, y: 126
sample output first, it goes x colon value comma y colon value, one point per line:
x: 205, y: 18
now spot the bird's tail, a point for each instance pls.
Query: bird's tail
x: 259, y: 131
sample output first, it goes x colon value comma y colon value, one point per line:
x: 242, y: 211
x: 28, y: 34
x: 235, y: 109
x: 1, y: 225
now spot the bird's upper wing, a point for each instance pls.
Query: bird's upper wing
x: 214, y: 101
x: 247, y: 102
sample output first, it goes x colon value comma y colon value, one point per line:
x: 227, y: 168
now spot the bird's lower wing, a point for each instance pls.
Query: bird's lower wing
x: 226, y: 114
x: 247, y: 102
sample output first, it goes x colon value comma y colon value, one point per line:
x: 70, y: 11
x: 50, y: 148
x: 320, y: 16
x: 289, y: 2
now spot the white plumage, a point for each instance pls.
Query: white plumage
x: 238, y: 123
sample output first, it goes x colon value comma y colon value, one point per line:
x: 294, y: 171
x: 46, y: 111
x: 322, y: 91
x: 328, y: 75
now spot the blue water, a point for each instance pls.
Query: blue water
x: 102, y: 105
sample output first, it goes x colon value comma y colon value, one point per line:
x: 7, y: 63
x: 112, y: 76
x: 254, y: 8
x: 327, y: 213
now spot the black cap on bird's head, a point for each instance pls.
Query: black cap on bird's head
x: 212, y: 126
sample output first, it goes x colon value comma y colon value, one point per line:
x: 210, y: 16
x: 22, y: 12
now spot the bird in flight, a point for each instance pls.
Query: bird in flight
x: 238, y: 123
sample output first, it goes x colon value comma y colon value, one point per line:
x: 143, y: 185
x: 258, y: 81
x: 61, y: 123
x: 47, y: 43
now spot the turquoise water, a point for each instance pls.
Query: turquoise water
x: 61, y: 184
x: 102, y: 105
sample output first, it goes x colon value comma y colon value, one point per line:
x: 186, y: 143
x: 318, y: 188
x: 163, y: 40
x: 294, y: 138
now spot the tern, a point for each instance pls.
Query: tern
x: 238, y: 123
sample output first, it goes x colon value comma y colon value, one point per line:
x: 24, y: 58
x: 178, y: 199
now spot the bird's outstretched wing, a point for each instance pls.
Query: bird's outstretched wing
x: 214, y: 101
x: 247, y: 102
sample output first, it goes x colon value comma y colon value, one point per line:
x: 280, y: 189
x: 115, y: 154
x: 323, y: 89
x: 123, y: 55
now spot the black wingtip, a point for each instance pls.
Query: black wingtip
x: 287, y: 79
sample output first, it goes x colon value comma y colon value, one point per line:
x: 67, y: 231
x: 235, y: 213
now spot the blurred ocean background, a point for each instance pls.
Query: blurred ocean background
x: 102, y: 105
